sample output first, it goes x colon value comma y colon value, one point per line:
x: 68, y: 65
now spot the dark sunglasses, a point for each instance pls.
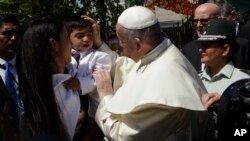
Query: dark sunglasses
x: 202, y: 21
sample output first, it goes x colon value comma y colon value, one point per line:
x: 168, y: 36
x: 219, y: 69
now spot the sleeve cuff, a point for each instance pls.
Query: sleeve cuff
x: 105, y: 100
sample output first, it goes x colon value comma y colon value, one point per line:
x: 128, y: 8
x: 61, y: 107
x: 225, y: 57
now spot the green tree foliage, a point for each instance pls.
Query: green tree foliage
x: 129, y: 3
x: 105, y: 12
x: 113, y: 12
x: 29, y: 10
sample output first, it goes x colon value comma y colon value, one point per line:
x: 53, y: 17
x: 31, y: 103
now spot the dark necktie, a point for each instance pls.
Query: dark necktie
x: 77, y: 56
x: 9, y: 83
x: 9, y: 79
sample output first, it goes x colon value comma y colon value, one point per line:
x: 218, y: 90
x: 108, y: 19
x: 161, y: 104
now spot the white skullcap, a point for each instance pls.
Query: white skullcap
x: 137, y: 17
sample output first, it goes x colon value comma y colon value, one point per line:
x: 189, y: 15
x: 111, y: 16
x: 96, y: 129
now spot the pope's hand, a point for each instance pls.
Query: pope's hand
x: 103, y: 83
x: 209, y: 99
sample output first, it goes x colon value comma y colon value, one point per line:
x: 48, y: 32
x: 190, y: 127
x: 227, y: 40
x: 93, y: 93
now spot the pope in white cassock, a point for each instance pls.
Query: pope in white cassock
x: 156, y: 93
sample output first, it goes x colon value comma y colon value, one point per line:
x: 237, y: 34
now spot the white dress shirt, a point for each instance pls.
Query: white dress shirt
x: 221, y: 81
x: 88, y: 61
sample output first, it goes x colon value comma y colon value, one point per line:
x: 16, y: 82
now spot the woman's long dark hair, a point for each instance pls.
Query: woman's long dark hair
x: 35, y: 67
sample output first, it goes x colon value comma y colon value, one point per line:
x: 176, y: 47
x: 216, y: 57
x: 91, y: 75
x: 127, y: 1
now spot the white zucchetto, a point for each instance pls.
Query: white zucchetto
x: 137, y: 17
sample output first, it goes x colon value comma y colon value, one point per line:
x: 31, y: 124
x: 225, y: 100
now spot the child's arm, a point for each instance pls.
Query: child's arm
x: 87, y: 84
x: 105, y: 48
x: 104, y: 61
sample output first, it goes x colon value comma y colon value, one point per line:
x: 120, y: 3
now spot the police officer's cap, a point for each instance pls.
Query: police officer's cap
x: 218, y: 29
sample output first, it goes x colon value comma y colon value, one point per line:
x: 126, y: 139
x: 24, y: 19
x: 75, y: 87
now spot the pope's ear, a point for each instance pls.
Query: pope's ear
x: 53, y: 44
x: 138, y: 42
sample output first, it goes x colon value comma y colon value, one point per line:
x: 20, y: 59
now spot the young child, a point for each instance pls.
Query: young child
x: 85, y: 59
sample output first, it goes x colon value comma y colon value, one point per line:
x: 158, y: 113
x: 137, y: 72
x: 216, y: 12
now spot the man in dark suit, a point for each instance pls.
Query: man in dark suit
x: 202, y: 15
x: 10, y: 105
x: 241, y: 59
x: 244, y: 32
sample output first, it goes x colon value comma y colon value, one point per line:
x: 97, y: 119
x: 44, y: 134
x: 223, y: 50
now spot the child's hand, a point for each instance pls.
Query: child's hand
x: 72, y: 83
x: 96, y: 30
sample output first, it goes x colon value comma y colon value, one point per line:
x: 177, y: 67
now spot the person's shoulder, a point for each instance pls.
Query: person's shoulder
x: 244, y: 31
x: 190, y: 45
x: 100, y: 54
x: 242, y: 40
x: 124, y: 62
x: 124, y: 59
x: 193, y: 42
x: 246, y: 25
x: 241, y: 73
x: 246, y: 71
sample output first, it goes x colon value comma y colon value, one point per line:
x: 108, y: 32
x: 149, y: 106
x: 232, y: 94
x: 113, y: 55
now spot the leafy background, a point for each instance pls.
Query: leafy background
x: 105, y: 12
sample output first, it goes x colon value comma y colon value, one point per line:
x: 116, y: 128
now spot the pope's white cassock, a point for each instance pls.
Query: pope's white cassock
x: 154, y: 98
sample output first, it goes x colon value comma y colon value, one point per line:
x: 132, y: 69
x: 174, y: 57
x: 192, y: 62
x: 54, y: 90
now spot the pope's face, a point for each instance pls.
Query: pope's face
x: 128, y: 45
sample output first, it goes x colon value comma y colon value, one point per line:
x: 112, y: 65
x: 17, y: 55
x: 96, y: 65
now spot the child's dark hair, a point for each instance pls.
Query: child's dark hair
x: 73, y: 23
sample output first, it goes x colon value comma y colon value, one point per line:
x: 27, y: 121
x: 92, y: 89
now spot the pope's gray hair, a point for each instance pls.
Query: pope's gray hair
x: 151, y: 35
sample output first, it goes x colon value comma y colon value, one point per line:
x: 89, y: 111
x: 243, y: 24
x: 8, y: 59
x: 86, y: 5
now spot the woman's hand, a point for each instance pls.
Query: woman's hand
x: 96, y: 30
x: 103, y: 83
x: 72, y: 83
